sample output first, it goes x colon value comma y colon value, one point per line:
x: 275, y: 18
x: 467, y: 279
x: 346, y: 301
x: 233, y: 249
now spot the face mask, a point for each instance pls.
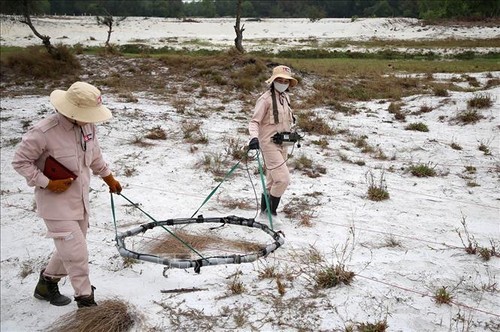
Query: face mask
x: 280, y: 87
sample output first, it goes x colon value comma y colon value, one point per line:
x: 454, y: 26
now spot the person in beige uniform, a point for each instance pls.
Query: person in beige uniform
x: 272, y: 115
x: 70, y: 137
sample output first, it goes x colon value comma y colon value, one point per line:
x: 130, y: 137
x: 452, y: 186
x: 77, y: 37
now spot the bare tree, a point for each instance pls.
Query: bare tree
x: 239, y: 30
x: 108, y: 21
x: 26, y: 10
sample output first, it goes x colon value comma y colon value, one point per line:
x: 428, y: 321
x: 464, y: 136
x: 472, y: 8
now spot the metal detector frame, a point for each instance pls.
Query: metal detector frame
x: 198, y: 263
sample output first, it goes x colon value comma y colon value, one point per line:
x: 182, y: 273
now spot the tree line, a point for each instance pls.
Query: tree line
x: 313, y: 9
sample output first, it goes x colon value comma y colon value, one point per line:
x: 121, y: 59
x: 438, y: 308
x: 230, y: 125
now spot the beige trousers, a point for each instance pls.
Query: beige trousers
x: 277, y: 173
x: 70, y: 258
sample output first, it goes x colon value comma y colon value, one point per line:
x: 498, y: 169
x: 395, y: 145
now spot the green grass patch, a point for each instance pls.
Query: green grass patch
x: 356, y: 67
x: 421, y: 43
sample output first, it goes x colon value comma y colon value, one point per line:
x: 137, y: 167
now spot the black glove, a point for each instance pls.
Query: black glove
x: 254, y: 144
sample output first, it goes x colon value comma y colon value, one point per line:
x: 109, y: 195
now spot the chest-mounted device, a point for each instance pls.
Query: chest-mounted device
x: 287, y: 138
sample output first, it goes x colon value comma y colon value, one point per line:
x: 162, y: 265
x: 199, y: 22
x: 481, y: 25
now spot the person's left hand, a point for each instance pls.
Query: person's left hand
x: 114, y: 186
x: 254, y: 144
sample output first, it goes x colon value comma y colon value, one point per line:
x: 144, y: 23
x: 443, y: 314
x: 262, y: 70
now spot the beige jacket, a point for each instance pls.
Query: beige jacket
x: 262, y: 124
x: 59, y: 137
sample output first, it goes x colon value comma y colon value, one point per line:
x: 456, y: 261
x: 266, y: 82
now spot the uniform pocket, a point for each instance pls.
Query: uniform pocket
x: 66, y: 236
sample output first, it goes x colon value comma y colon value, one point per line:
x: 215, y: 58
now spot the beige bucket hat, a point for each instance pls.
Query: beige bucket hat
x: 284, y: 72
x: 82, y: 102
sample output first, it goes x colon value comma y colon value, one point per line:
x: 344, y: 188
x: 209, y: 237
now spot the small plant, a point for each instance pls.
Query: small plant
x: 268, y: 271
x: 156, y: 133
x: 301, y: 209
x: 332, y: 276
x: 322, y: 143
x: 380, y: 326
x: 425, y: 109
x: 129, y: 171
x: 471, y: 246
x: 309, y: 122
x: 440, y: 92
x: 392, y: 242
x: 417, y: 126
x: 129, y: 262
x: 455, y: 146
x: 470, y: 116
x: 395, y: 109
x: 236, y: 149
x: 376, y: 191
x: 281, y: 286
x: 422, y: 170
x: 442, y: 296
x: 470, y: 169
x: 139, y: 141
x: 305, y: 164
x: 484, y: 148
x: 193, y: 133
x: 234, y: 203
x: 361, y: 143
x: 480, y: 101
x: 236, y: 286
x: 214, y: 163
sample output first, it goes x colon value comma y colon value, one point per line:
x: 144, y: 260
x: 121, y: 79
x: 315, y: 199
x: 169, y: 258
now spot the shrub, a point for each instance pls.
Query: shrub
x: 377, y: 191
x: 469, y: 116
x: 422, y: 170
x: 332, y: 276
x: 395, y: 108
x: 440, y: 92
x: 417, y: 126
x: 311, y: 123
x: 480, y: 101
x: 425, y: 109
x: 36, y: 62
x: 301, y: 209
x: 193, y: 133
x: 484, y: 148
x: 156, y: 133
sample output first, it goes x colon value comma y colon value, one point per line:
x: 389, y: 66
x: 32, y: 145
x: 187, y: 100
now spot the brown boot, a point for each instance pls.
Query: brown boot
x: 86, y: 300
x: 47, y: 290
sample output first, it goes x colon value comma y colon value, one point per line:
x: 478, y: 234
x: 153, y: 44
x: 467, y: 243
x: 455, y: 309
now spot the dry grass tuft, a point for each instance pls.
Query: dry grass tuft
x: 309, y: 122
x: 156, y: 133
x: 379, y: 326
x: 332, y: 276
x: 170, y: 246
x: 480, y: 101
x: 110, y: 315
x: 302, y: 209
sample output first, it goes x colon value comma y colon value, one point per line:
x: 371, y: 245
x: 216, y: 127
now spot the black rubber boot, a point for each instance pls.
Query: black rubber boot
x: 275, y: 201
x: 86, y: 300
x: 47, y: 290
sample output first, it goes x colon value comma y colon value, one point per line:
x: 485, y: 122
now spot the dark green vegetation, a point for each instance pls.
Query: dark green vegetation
x: 313, y: 9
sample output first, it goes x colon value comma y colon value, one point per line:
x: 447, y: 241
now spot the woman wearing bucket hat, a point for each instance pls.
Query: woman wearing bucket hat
x: 272, y: 115
x: 70, y: 137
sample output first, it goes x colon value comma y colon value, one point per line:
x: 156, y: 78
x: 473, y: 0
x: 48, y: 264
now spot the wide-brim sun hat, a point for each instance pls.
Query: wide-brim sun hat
x: 81, y: 102
x: 283, y: 72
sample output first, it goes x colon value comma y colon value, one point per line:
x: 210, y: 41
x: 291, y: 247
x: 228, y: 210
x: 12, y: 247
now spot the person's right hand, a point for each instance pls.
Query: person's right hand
x: 254, y: 144
x: 59, y: 186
